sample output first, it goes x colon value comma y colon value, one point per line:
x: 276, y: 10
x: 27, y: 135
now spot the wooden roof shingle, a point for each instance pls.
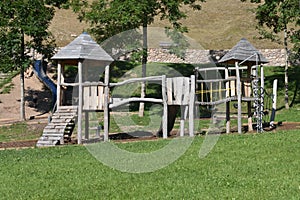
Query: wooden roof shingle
x: 83, y: 47
x: 242, y: 51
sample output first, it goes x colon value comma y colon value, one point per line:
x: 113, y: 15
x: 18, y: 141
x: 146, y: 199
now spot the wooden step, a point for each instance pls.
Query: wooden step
x: 60, y: 128
x: 51, y: 130
x: 64, y: 113
x: 63, y: 117
x: 50, y: 138
x: 47, y: 142
x: 53, y: 134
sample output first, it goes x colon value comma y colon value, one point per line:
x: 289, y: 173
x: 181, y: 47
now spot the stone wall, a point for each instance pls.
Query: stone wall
x: 276, y: 57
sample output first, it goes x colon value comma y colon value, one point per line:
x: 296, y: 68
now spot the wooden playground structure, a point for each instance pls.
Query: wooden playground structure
x: 200, y: 89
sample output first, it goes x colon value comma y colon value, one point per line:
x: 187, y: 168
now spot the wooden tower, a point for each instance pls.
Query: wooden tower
x: 91, y: 60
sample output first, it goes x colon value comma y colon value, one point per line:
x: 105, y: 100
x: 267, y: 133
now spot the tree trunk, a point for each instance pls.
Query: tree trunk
x: 144, y: 64
x: 22, y: 106
x: 286, y: 78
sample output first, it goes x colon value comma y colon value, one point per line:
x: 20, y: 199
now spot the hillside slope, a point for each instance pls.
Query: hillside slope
x: 219, y: 25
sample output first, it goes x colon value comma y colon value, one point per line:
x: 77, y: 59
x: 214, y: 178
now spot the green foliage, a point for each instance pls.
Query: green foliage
x: 274, y: 17
x: 109, y: 18
x: 24, y: 25
x: 263, y: 166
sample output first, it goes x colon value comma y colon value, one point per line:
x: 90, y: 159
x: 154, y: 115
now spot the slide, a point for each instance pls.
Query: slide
x: 40, y: 73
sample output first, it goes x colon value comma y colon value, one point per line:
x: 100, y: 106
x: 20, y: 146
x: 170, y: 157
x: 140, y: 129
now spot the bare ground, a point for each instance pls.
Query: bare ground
x: 37, y: 100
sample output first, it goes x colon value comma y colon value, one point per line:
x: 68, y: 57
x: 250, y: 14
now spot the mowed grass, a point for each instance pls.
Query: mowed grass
x: 20, y: 131
x: 262, y: 166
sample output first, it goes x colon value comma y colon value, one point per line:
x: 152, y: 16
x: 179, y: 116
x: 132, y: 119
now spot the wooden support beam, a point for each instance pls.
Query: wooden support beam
x: 274, y: 103
x: 165, y: 107
x: 227, y: 94
x: 80, y: 103
x: 248, y: 94
x: 192, y: 106
x: 58, y: 97
x: 183, y: 113
x: 239, y: 97
x: 106, y: 103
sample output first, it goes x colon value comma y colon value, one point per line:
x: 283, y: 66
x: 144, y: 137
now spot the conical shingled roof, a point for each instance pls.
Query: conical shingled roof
x: 243, y: 51
x: 83, y: 47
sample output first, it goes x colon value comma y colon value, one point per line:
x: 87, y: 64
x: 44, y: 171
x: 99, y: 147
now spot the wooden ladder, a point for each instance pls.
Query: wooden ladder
x: 60, y: 128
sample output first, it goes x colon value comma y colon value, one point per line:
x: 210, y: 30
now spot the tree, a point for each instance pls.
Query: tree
x: 24, y: 26
x: 277, y: 17
x: 110, y: 17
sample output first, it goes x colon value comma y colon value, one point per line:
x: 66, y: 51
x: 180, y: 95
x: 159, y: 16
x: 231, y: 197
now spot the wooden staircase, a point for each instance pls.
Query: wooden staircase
x: 60, y: 128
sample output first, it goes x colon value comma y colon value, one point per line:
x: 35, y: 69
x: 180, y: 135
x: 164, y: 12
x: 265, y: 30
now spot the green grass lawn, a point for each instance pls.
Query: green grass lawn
x: 262, y: 166
x: 20, y: 131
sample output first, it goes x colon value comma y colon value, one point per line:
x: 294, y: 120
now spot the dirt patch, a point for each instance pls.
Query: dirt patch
x: 122, y: 137
x: 17, y: 144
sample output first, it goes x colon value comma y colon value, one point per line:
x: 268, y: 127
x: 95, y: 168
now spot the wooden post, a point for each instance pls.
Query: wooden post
x: 80, y: 103
x: 274, y: 103
x: 248, y: 92
x: 58, y: 97
x: 106, y: 103
x: 220, y: 90
x: 183, y: 113
x: 239, y: 97
x: 211, y: 91
x: 192, y: 106
x: 202, y: 91
x: 227, y: 103
x: 86, y: 125
x: 165, y: 108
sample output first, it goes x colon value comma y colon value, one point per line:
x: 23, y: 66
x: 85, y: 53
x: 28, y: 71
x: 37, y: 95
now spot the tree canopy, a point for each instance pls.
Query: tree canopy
x: 276, y: 16
x: 24, y: 26
x: 109, y: 18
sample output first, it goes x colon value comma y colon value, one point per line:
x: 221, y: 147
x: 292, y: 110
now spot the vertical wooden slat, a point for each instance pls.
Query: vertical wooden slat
x: 220, y: 89
x: 58, y: 97
x: 86, y: 97
x: 182, y: 117
x: 248, y: 93
x: 272, y: 118
x: 101, y: 97
x: 227, y: 103
x: 165, y: 109
x: 211, y: 91
x: 239, y: 97
x: 232, y: 88
x: 202, y: 92
x: 106, y: 104
x: 80, y: 103
x: 186, y: 90
x: 192, y: 106
x: 170, y: 90
x: 178, y: 90
x: 93, y: 98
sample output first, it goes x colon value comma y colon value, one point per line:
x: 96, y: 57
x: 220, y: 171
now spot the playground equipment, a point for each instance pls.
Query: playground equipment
x: 236, y: 87
x: 92, y: 95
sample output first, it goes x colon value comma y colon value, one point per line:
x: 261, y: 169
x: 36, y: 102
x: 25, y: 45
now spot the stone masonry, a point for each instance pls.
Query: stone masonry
x: 276, y: 57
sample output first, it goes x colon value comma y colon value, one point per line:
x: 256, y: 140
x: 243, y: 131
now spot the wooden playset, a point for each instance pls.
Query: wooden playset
x: 201, y: 89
